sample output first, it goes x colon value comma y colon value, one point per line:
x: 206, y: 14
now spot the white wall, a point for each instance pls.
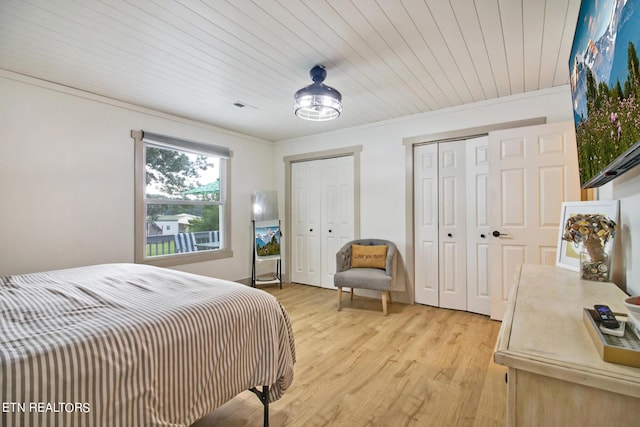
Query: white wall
x: 66, y: 178
x: 626, y: 269
x: 66, y: 174
x: 383, y: 158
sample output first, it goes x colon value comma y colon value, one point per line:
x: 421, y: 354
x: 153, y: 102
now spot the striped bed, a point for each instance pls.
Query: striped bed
x: 134, y: 345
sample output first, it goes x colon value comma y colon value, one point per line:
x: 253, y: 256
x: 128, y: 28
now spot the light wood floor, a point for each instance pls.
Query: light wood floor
x: 419, y: 366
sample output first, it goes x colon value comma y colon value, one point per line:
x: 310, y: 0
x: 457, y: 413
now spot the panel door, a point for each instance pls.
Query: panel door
x: 305, y: 207
x: 477, y: 214
x: 298, y: 225
x: 452, y: 225
x: 533, y: 170
x: 337, y: 212
x: 425, y: 159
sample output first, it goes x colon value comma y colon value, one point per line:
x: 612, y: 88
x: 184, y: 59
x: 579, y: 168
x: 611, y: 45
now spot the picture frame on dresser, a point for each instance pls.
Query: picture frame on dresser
x: 567, y: 253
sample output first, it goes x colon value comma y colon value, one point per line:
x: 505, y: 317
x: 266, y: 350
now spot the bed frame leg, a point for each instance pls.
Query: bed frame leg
x: 264, y: 398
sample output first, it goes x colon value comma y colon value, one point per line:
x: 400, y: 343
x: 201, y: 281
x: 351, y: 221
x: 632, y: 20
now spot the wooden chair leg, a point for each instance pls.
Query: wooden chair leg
x: 384, y: 302
x: 352, y: 292
x: 390, y: 298
x: 339, y: 298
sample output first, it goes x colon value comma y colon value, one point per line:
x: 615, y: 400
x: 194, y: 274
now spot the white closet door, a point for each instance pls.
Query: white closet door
x: 337, y: 212
x: 450, y: 185
x: 306, y: 211
x: 322, y: 217
x: 425, y: 159
x: 298, y: 183
x: 477, y: 171
x: 452, y: 230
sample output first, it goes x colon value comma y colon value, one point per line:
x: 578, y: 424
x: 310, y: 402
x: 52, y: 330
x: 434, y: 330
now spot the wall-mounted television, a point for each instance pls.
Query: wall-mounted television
x: 605, y: 88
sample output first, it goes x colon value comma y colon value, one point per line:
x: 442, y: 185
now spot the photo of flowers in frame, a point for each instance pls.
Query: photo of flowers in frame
x: 568, y: 254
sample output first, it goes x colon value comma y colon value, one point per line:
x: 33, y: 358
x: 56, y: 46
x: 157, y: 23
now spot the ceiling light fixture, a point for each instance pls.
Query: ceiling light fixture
x: 318, y: 102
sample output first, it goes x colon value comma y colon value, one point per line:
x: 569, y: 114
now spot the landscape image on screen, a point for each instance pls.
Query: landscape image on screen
x: 605, y: 82
x: 267, y: 241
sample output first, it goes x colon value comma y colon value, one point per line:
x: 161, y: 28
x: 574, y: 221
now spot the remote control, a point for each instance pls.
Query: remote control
x: 606, y: 316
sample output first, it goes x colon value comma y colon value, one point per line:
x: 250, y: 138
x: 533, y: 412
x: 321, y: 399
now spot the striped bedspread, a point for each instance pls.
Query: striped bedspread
x: 134, y: 345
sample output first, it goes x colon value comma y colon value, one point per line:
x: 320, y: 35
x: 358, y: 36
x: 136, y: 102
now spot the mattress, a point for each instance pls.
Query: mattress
x: 134, y: 345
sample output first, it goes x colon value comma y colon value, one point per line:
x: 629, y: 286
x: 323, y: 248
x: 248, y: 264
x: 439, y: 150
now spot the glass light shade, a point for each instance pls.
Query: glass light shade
x: 317, y: 107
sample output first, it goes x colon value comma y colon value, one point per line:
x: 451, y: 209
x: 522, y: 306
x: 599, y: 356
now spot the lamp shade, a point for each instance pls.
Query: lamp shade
x: 318, y: 102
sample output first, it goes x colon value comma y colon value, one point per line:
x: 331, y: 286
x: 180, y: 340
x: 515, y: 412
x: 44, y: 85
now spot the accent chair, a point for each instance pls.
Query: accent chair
x: 366, y: 264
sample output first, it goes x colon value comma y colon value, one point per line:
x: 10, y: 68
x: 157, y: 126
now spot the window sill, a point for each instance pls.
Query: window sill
x: 188, y: 258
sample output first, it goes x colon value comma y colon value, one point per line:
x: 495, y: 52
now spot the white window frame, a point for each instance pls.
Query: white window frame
x: 141, y: 138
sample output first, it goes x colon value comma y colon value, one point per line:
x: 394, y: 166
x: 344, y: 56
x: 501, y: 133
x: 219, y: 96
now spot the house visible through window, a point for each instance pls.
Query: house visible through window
x: 181, y: 193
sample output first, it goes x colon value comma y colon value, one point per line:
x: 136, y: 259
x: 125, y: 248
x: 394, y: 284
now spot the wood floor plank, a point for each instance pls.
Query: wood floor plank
x: 418, y: 366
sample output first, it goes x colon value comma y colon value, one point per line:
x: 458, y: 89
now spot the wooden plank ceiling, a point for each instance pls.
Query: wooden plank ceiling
x: 195, y: 59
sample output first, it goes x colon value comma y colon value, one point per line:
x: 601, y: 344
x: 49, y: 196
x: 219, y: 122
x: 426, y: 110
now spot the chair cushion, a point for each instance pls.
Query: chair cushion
x: 369, y: 256
x: 363, y: 278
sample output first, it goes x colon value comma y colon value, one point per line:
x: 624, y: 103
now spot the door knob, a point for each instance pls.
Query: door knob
x: 496, y: 233
x: 483, y: 236
x: 311, y: 230
x: 329, y: 231
x: 449, y: 234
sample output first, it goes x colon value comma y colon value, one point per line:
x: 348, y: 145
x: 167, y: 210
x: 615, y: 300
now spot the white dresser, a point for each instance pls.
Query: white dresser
x: 555, y: 374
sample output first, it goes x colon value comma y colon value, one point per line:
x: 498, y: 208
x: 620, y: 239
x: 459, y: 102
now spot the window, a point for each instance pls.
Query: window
x: 182, y: 213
